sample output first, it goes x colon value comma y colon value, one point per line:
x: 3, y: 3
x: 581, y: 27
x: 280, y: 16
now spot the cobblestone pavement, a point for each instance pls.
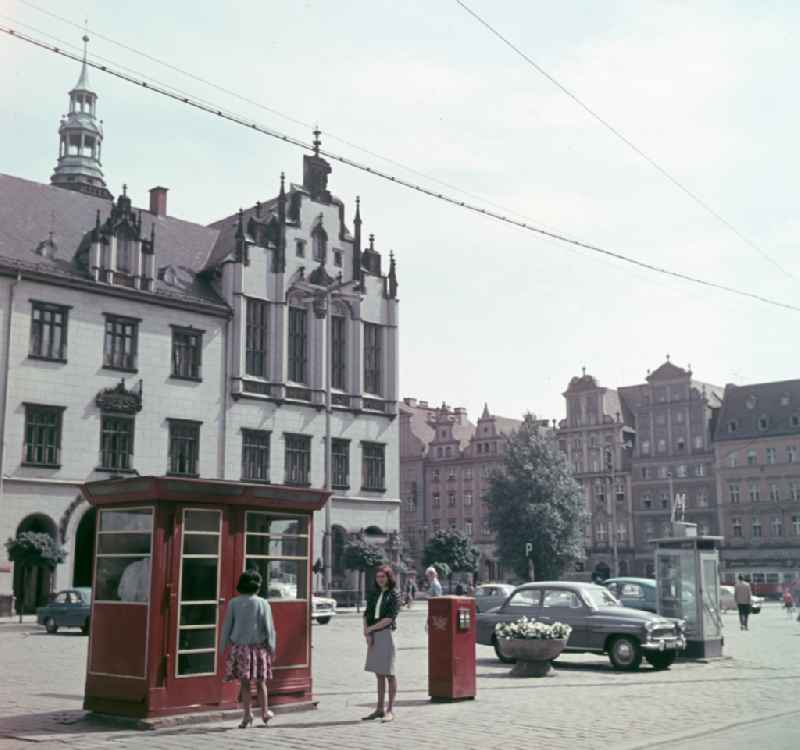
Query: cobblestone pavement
x: 751, y: 697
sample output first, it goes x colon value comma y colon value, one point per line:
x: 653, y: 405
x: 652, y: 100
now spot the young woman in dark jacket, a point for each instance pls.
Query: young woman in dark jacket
x: 380, y: 615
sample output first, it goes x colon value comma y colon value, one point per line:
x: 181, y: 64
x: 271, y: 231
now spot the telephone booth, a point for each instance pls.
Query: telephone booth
x: 168, y: 555
x: 687, y: 581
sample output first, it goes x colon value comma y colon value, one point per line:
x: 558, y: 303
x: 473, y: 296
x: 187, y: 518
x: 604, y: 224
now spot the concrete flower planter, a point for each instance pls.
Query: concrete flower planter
x: 533, y: 655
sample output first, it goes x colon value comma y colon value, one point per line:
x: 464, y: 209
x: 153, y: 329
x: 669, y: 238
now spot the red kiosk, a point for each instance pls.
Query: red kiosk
x: 168, y: 554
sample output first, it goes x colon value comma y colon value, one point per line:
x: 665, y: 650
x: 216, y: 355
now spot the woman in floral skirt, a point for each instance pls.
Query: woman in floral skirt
x: 249, y: 628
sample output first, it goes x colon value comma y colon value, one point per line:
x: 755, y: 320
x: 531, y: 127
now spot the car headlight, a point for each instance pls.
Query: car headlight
x: 649, y: 626
x: 681, y: 625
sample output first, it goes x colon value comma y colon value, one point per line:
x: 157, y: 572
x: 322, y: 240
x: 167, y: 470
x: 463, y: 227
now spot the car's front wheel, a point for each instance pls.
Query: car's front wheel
x: 661, y: 659
x: 499, y: 653
x: 50, y: 625
x: 323, y: 620
x: 625, y: 653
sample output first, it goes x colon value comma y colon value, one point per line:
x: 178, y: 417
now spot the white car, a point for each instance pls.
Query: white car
x: 727, y: 600
x: 322, y: 609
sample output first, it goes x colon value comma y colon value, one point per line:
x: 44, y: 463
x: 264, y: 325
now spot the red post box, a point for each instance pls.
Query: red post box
x: 168, y: 553
x: 451, y: 648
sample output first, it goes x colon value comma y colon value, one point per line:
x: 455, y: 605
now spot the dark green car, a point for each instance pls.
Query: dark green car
x: 71, y: 608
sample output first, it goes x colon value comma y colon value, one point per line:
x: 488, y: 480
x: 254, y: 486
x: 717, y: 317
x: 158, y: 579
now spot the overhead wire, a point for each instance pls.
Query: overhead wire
x: 627, y: 141
x: 250, y: 101
x: 196, y: 103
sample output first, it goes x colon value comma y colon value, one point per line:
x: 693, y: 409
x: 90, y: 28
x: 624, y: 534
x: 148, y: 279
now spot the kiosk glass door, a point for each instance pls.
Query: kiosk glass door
x: 202, y: 591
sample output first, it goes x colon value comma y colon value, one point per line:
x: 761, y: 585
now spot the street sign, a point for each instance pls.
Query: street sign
x: 528, y: 549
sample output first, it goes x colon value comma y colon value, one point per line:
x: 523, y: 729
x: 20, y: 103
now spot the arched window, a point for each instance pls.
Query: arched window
x: 319, y: 241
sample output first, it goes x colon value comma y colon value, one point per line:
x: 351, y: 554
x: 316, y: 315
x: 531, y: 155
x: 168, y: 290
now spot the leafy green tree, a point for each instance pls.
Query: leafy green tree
x: 453, y: 551
x: 33, y: 549
x: 361, y: 556
x: 534, y: 499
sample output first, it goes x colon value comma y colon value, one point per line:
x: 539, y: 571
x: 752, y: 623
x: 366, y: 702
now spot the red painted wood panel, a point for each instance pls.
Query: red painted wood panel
x: 119, y: 639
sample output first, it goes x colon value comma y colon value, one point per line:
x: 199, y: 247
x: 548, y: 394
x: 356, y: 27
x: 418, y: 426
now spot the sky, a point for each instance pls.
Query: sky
x: 488, y: 312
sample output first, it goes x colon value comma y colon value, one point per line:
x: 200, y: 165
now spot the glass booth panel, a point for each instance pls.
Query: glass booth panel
x: 122, y: 563
x: 276, y: 545
x: 676, y: 580
x: 712, y: 618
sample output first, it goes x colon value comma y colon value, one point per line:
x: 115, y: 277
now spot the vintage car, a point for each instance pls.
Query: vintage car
x: 70, y: 608
x: 637, y: 593
x: 727, y: 600
x: 600, y: 624
x: 489, y: 595
x: 322, y: 609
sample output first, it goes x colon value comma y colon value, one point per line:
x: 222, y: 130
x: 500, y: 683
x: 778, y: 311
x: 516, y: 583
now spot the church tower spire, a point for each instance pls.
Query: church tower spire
x: 80, y: 140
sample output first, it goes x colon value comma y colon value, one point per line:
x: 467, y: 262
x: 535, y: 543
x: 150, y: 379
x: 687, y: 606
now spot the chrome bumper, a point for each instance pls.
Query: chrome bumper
x: 666, y: 644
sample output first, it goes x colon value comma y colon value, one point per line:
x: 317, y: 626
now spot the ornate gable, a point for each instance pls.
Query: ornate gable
x: 668, y: 371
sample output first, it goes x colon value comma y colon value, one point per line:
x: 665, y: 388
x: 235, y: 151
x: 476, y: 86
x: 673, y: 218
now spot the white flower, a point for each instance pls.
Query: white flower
x: 524, y: 628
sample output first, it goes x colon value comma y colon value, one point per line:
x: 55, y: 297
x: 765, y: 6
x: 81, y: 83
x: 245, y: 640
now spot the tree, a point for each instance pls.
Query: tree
x: 361, y: 556
x: 534, y: 499
x: 452, y: 550
x: 33, y: 549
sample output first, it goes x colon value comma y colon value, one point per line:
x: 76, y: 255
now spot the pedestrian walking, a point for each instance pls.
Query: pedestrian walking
x: 411, y: 592
x: 788, y: 602
x: 744, y: 600
x: 434, y: 587
x: 249, y: 628
x: 380, y: 620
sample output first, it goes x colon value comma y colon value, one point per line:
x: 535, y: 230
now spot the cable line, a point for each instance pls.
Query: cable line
x: 241, y: 97
x: 247, y: 123
x: 627, y: 141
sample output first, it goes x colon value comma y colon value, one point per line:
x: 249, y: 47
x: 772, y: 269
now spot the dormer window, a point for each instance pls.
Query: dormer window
x: 763, y: 422
x: 751, y: 402
x: 124, y: 253
x: 732, y: 426
x: 785, y: 400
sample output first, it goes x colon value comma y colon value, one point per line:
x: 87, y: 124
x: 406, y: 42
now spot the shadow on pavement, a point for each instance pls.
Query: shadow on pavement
x: 62, y: 696
x: 53, y: 722
x: 420, y: 702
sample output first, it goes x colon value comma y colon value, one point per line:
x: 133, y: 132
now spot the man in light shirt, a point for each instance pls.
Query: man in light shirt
x: 744, y: 600
x: 434, y: 587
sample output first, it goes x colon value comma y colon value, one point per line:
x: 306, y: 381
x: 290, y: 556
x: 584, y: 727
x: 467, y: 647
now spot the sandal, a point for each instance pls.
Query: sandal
x: 246, y: 722
x: 388, y: 717
x: 374, y: 715
x: 267, y: 717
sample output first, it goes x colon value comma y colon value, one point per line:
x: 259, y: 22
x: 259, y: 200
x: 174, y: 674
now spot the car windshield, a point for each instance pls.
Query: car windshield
x: 600, y: 597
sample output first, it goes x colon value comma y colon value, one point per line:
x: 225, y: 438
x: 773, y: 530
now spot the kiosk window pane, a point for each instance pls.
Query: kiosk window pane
x: 283, y: 547
x: 122, y: 579
x: 202, y: 520
x: 267, y: 523
x: 126, y: 520
x: 200, y: 544
x: 198, y: 614
x: 123, y: 544
x: 281, y: 579
x: 122, y: 571
x: 199, y: 581
x: 192, y: 640
x: 196, y: 663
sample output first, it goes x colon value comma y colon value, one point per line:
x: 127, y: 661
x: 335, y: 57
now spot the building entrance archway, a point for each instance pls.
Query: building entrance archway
x: 84, y: 550
x: 33, y: 584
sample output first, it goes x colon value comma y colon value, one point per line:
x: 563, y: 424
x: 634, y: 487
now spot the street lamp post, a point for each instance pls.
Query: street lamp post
x: 322, y: 295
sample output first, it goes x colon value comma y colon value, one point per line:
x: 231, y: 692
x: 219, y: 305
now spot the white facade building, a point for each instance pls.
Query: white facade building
x: 134, y: 342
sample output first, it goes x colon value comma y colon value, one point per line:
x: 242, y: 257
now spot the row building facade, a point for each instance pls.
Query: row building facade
x: 445, y: 464
x: 134, y: 342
